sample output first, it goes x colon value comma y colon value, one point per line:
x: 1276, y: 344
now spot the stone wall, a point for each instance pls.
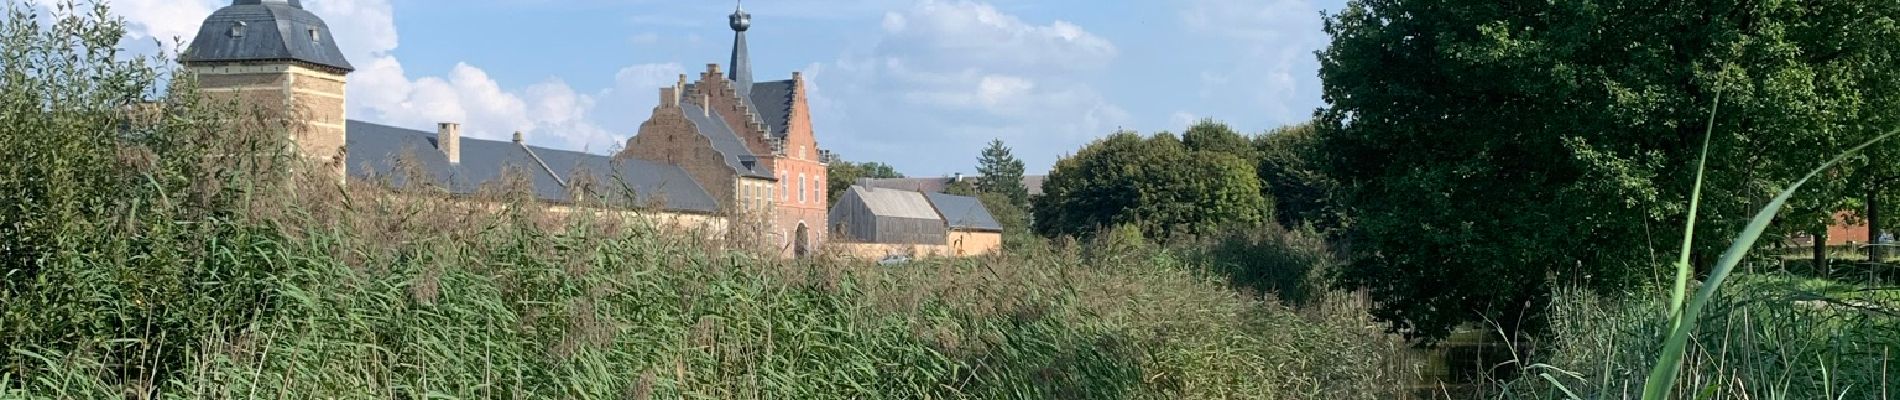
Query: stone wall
x: 308, y: 101
x: 975, y: 243
x: 877, y: 251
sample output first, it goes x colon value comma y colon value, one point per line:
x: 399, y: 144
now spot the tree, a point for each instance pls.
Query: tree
x: 1489, y: 149
x: 1014, y: 219
x: 962, y: 187
x: 1290, y: 175
x: 843, y: 174
x: 1155, y: 183
x: 1002, y: 174
x: 1210, y: 135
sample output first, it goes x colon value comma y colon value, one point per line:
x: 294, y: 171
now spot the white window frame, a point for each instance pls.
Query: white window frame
x: 801, y: 188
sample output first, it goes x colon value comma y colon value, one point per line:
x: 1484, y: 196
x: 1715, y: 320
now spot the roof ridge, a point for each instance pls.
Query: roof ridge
x: 544, y: 165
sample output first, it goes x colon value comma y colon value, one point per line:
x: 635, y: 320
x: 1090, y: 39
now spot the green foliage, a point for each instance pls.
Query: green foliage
x: 962, y: 187
x: 1212, y: 136
x: 1002, y: 174
x: 147, y: 258
x: 1295, y: 265
x: 1014, y: 219
x: 1155, y: 183
x: 1527, y: 142
x: 1291, y: 175
x: 1770, y: 337
x: 110, y: 198
x: 842, y: 174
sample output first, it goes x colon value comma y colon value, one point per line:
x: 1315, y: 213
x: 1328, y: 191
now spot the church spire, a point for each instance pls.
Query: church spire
x: 741, y: 64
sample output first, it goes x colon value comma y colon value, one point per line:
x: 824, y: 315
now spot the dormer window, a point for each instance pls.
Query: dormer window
x: 316, y: 36
x: 237, y: 29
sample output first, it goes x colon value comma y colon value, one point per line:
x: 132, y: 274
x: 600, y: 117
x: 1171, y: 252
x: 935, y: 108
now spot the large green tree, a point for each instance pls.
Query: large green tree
x: 842, y: 174
x: 1290, y: 175
x: 1002, y: 174
x: 1211, y: 135
x: 1492, y: 148
x: 1155, y: 183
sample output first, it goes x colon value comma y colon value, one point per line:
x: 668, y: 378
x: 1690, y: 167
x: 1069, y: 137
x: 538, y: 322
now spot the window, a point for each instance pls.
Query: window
x: 784, y: 186
x: 801, y: 188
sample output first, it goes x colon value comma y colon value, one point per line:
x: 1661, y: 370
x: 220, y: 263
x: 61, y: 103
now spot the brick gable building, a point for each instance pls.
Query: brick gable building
x: 750, y: 144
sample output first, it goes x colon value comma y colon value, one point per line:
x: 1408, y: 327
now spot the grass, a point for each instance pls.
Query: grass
x: 1780, y: 337
x: 414, y: 299
x: 165, y: 245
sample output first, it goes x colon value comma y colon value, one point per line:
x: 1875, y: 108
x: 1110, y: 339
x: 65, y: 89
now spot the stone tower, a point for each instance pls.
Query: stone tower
x: 276, y: 58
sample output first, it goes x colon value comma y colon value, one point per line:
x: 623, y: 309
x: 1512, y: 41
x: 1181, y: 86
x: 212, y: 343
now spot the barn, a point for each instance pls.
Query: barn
x: 886, y: 216
x: 973, y: 231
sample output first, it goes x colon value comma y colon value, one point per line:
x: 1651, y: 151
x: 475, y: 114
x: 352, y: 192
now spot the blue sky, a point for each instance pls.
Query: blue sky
x: 920, y: 84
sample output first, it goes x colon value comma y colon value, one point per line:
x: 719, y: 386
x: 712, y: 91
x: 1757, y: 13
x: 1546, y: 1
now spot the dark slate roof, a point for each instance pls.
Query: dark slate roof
x: 726, y: 142
x: 374, y: 151
x: 773, y: 102
x: 962, y: 212
x: 741, y: 65
x: 651, y: 183
x: 271, y: 30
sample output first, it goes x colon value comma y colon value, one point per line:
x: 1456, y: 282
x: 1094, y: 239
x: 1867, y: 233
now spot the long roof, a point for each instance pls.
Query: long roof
x: 376, y: 152
x: 962, y: 212
x: 939, y: 183
x: 265, y: 30
x: 896, y: 203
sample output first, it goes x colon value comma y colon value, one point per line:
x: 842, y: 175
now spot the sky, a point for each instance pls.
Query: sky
x: 923, y: 85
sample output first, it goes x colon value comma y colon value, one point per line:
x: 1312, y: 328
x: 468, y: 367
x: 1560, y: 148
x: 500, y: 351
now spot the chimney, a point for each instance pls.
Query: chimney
x: 713, y: 68
x: 798, y: 76
x: 517, y: 137
x: 669, y: 97
x: 448, y: 138
x: 957, y: 177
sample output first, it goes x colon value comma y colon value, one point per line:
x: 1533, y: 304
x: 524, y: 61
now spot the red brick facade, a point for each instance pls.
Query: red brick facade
x: 801, y: 170
x: 797, y: 196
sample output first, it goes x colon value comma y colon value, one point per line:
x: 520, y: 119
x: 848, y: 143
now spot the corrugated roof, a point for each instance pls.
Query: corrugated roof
x: 265, y: 30
x: 896, y: 203
x: 962, y: 212
x: 375, y: 148
x: 725, y: 141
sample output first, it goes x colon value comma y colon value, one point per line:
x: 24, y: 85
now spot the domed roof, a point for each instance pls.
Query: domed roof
x: 740, y: 20
x: 265, y: 30
x: 292, y: 3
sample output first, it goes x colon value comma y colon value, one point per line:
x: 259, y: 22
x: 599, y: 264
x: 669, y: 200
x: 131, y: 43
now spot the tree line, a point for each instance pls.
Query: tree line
x: 1476, y: 155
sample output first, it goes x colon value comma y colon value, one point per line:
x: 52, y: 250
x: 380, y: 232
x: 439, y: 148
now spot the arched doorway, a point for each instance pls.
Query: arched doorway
x: 801, y: 241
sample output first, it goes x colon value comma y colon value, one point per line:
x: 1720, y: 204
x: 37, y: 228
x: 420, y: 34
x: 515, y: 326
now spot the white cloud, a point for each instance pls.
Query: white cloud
x: 161, y: 20
x: 949, y: 75
x: 550, y: 113
x: 966, y: 32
